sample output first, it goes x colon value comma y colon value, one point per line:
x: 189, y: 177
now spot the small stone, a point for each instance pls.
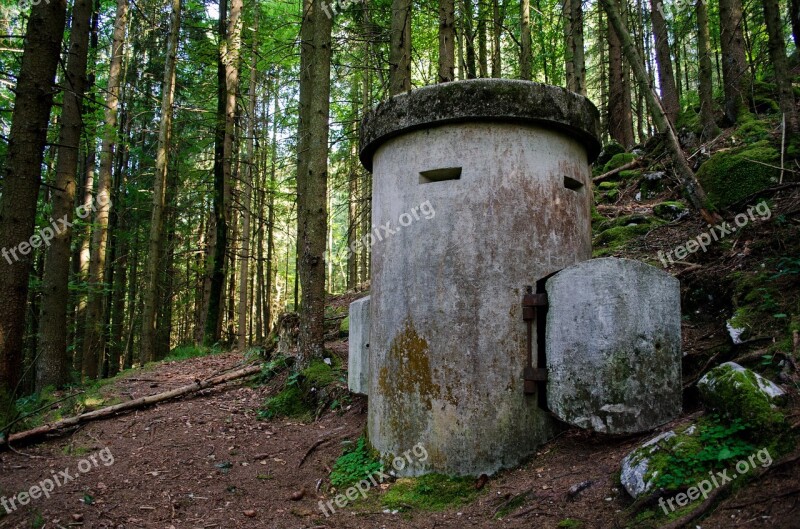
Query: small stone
x: 250, y: 513
x: 297, y: 496
x: 78, y: 517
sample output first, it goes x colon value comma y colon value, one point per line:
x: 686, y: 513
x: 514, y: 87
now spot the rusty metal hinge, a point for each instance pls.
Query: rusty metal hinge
x: 530, y: 304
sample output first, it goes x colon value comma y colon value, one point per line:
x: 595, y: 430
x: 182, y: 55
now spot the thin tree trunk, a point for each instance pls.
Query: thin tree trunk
x: 483, y: 55
x: 569, y: 65
x: 271, y: 213
x: 526, y: 54
x: 497, y: 30
x: 691, y: 186
x: 247, y: 189
x: 777, y: 55
x: 669, y: 93
x: 147, y: 351
x: 34, y: 98
x: 794, y: 18
x: 620, y: 118
x: 705, y: 73
x: 734, y: 64
x: 52, y: 367
x: 94, y: 343
x: 578, y: 53
x: 228, y: 80
x: 469, y: 39
x: 400, y: 47
x: 312, y: 169
x: 447, y: 50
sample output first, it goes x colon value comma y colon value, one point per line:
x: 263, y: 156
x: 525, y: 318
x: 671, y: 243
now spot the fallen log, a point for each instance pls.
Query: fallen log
x: 630, y: 165
x: 102, y: 413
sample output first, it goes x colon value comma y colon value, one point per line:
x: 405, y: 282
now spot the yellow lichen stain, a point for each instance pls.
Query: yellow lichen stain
x: 408, y: 369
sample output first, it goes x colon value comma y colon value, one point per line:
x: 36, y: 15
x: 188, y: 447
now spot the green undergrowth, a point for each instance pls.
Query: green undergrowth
x: 308, y: 392
x: 357, y: 462
x: 185, y: 352
x: 612, y: 235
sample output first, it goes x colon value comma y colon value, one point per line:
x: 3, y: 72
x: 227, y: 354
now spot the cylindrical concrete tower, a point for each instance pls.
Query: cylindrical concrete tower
x: 480, y: 189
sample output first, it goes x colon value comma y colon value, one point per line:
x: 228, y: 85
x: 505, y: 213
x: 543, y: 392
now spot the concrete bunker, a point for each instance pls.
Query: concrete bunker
x: 458, y: 298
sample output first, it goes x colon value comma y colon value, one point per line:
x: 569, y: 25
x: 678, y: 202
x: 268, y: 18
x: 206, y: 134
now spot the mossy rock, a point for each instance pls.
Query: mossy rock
x: 605, y: 186
x: 652, y: 184
x: 728, y: 177
x: 614, y: 234
x: 609, y: 151
x: 750, y: 129
x: 739, y: 392
x: 618, y: 160
x: 303, y: 391
x: 689, y: 119
x: 630, y: 174
x: 669, y: 210
x: 344, y: 327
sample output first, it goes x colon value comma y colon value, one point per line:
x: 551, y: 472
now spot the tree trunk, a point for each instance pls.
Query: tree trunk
x: 483, y: 55
x: 669, y: 93
x: 620, y: 118
x: 497, y: 30
x: 22, y: 177
x: 705, y: 73
x: 94, y: 345
x: 569, y: 65
x: 777, y: 55
x: 227, y: 82
x: 52, y: 368
x: 312, y: 165
x: 526, y: 54
x: 273, y: 184
x: 691, y: 186
x: 447, y: 50
x: 794, y: 18
x: 247, y: 190
x: 469, y: 38
x: 578, y: 54
x: 147, y: 351
x: 400, y: 47
x: 734, y: 65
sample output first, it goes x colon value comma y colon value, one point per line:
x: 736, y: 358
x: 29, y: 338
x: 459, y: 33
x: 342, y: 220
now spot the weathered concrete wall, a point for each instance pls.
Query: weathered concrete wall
x: 447, y: 335
x: 614, y: 346
x: 358, y: 347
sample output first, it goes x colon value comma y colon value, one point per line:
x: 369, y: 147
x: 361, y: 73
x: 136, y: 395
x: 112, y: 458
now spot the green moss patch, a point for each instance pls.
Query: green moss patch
x: 618, y: 160
x: 357, y: 462
x: 304, y: 393
x: 613, y: 235
x: 669, y: 210
x: 740, y: 394
x: 733, y: 175
x: 432, y: 492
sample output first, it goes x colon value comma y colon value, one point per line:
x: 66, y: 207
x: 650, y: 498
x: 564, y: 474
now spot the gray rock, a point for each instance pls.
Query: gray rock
x: 636, y: 465
x: 740, y: 392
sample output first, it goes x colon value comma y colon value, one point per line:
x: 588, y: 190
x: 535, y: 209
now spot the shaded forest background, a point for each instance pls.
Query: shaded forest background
x: 211, y: 147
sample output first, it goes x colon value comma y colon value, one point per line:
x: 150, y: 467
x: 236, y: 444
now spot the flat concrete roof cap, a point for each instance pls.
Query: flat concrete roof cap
x: 482, y: 100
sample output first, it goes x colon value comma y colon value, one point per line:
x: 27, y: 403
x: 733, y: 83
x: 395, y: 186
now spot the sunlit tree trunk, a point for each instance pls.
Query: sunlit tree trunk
x: 705, y: 72
x: 94, y: 342
x: 669, y: 93
x: 526, y: 54
x: 620, y: 118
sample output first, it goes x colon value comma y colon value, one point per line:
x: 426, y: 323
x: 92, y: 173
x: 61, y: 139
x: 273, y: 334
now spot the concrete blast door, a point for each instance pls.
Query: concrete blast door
x: 480, y: 188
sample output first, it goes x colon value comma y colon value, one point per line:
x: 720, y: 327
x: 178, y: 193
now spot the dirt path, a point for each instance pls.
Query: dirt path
x: 207, y: 462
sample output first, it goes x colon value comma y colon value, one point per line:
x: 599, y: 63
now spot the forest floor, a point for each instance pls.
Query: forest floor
x: 207, y: 461
x: 210, y: 461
